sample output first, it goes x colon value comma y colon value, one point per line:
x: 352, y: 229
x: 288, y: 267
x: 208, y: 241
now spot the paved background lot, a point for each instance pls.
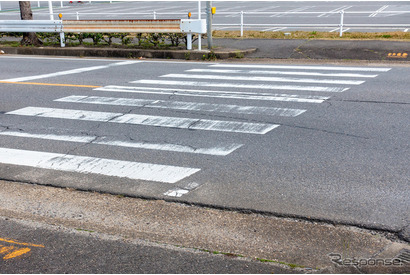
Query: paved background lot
x: 396, y: 12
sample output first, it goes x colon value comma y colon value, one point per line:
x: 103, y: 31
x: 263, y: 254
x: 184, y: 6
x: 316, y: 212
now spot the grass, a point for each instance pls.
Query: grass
x: 282, y: 263
x: 401, y: 36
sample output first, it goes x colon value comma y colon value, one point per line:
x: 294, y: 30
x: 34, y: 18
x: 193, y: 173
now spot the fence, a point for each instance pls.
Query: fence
x: 340, y: 24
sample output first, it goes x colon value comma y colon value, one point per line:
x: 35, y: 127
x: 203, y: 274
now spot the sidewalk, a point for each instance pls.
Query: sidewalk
x: 320, y: 49
x: 373, y: 50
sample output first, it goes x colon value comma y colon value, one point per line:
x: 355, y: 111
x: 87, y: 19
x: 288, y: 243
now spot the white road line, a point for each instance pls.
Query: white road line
x: 243, y: 86
x: 90, y: 165
x: 280, y: 73
x: 215, y: 94
x: 220, y: 150
x: 74, y: 71
x: 248, y: 66
x: 181, y: 105
x: 159, y: 121
x: 379, y: 10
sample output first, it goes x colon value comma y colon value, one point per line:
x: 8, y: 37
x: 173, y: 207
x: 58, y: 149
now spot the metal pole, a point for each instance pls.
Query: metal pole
x: 61, y: 4
x: 50, y: 8
x: 0, y: 6
x: 209, y: 23
x: 341, y: 22
x: 241, y: 23
x: 155, y: 15
x: 199, y: 35
x: 78, y: 15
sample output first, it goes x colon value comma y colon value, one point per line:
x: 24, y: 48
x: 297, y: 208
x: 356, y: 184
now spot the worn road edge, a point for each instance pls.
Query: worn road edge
x: 297, y: 243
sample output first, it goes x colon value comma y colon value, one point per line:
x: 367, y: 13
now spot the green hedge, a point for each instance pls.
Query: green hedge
x: 143, y: 40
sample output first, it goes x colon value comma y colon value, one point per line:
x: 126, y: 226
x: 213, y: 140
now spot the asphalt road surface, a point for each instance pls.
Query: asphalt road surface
x: 260, y: 15
x: 326, y: 142
x: 57, y: 250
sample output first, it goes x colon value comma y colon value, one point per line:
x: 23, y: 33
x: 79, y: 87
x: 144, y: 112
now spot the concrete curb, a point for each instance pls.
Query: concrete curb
x: 296, y: 245
x: 128, y: 53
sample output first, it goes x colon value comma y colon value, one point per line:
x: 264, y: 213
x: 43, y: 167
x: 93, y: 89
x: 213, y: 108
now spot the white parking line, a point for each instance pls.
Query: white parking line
x: 338, y: 29
x: 244, y: 86
x: 220, y: 150
x: 291, y: 11
x: 91, y: 165
x: 182, y: 105
x: 379, y: 10
x: 329, y: 13
x: 274, y: 29
x: 215, y: 94
x: 145, y: 120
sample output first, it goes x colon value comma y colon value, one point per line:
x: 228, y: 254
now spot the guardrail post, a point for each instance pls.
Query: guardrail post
x: 341, y: 22
x: 62, y: 40
x: 189, y: 41
x: 78, y: 15
x: 241, y: 23
x: 155, y: 15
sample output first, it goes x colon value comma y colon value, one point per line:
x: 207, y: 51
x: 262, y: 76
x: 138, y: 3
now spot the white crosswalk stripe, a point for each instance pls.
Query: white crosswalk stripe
x: 215, y: 94
x: 248, y: 85
x: 273, y: 72
x: 170, y: 122
x: 90, y: 165
x: 290, y: 67
x: 219, y: 150
x: 179, y: 105
x: 268, y: 79
x: 242, y: 86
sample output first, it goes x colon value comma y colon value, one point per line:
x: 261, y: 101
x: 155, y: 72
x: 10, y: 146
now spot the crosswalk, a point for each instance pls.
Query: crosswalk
x: 246, y: 85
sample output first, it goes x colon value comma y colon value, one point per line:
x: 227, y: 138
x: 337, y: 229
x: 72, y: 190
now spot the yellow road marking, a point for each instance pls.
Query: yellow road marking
x: 17, y: 253
x: 5, y: 249
x: 50, y: 84
x: 25, y: 244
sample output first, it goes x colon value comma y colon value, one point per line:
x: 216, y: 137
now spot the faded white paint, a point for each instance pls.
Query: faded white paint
x: 172, y: 122
x: 281, y: 73
x: 242, y: 86
x: 325, y: 68
x: 176, y: 192
x: 267, y: 79
x: 180, y: 105
x: 100, y: 166
x: 215, y: 94
x: 219, y: 150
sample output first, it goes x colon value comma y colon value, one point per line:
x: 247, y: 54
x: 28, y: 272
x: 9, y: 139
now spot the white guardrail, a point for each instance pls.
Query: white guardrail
x: 340, y: 24
x: 188, y: 26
